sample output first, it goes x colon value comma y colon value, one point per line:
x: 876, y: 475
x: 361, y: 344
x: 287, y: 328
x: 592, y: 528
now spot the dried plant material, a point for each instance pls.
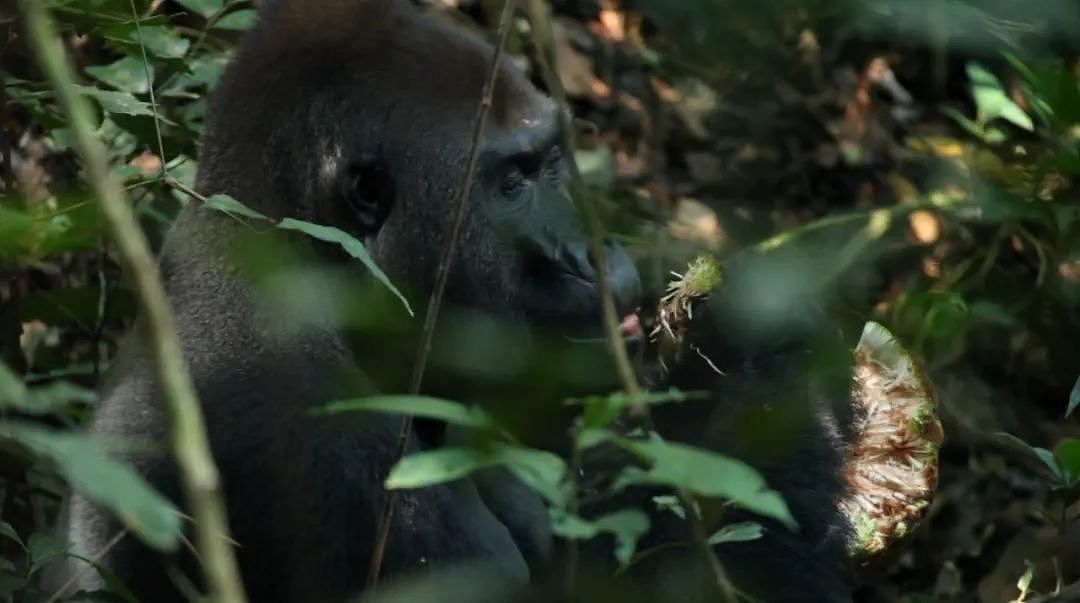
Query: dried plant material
x: 676, y: 308
x: 893, y: 468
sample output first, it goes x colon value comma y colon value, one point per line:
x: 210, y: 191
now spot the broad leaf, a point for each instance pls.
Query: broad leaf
x: 126, y: 75
x: 123, y: 103
x: 992, y: 101
x: 704, y: 473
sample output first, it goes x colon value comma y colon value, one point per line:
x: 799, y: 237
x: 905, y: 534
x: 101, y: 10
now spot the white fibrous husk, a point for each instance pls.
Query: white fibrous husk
x: 893, y: 469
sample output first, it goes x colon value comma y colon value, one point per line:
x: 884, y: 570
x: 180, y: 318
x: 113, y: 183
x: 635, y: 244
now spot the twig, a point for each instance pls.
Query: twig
x: 541, y: 32
x: 149, y: 74
x: 198, y: 474
x: 545, y: 54
x: 92, y: 561
x: 426, y: 335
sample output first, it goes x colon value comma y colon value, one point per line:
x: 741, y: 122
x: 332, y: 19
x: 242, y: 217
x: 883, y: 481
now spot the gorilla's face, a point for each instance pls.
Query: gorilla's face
x: 523, y: 253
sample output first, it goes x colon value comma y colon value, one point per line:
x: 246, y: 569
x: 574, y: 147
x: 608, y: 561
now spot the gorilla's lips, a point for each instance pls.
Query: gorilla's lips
x: 630, y: 327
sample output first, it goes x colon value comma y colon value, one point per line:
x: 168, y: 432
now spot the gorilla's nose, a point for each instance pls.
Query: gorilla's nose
x: 621, y: 272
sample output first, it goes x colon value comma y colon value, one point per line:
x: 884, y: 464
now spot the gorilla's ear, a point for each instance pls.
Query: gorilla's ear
x: 369, y: 193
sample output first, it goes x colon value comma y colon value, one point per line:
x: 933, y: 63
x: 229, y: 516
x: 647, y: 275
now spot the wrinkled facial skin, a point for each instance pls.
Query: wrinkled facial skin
x: 523, y: 253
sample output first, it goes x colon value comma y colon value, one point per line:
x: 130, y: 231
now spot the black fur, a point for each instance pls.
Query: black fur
x: 354, y: 114
x: 781, y: 405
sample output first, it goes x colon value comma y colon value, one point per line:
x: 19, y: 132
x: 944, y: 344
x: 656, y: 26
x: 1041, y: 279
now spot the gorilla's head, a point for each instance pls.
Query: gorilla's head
x: 359, y: 115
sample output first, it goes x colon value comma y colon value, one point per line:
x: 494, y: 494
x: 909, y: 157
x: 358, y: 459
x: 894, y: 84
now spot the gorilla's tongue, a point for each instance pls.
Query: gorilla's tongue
x: 630, y: 327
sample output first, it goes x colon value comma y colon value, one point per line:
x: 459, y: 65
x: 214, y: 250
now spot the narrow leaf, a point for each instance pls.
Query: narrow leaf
x: 737, y: 532
x: 109, y: 483
x: 1074, y: 398
x: 227, y: 204
x: 350, y: 244
x: 417, y: 406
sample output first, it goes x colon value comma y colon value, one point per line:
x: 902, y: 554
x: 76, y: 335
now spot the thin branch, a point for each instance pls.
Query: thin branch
x: 190, y: 446
x: 426, y: 335
x: 542, y: 38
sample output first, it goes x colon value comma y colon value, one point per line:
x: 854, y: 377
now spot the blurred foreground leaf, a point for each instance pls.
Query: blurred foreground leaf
x: 116, y: 486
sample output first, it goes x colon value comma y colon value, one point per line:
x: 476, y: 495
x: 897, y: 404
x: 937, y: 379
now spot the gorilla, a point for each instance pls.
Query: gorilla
x: 353, y: 114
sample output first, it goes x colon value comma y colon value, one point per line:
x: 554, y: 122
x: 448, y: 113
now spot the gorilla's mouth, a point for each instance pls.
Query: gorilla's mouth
x: 629, y: 328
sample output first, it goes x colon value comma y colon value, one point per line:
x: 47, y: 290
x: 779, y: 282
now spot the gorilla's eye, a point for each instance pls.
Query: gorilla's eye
x: 513, y: 182
x: 369, y: 193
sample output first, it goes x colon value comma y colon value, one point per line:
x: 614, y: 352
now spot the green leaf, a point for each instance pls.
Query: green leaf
x: 42, y: 400
x: 43, y: 549
x: 670, y: 503
x: 1074, y: 398
x: 437, y: 466
x: 122, y: 103
x: 111, y: 484
x: 351, y: 245
x: 627, y: 525
x: 737, y: 532
x: 542, y: 471
x: 239, y: 20
x: 126, y: 75
x: 704, y: 473
x: 1068, y: 456
x: 9, y: 532
x: 203, y: 8
x: 1023, y: 584
x: 1042, y: 454
x: 417, y: 406
x: 227, y: 204
x: 162, y: 42
x: 601, y: 410
x: 992, y: 101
